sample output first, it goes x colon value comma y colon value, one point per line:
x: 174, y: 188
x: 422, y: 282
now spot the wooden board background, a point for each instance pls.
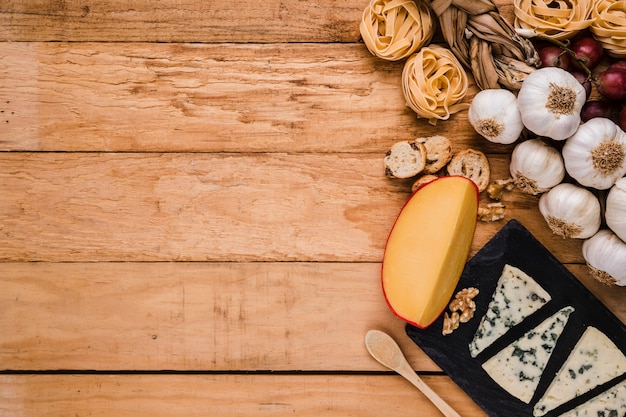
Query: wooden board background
x: 193, y: 211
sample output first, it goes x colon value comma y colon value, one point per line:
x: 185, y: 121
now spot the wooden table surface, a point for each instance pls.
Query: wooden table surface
x: 193, y: 211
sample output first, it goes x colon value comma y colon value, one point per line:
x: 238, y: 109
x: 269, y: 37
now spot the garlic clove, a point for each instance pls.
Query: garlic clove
x: 571, y: 211
x: 550, y: 101
x: 494, y: 115
x: 536, y: 166
x: 595, y: 155
x: 615, y: 212
x: 605, y: 254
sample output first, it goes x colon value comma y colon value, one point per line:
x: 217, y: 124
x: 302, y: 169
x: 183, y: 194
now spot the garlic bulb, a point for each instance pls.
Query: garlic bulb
x: 550, y: 101
x: 571, y: 211
x: 595, y: 155
x: 493, y: 113
x: 605, y: 254
x: 615, y: 211
x: 536, y: 166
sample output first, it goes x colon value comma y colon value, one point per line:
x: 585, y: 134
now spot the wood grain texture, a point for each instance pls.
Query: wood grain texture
x: 192, y: 316
x: 182, y: 21
x: 204, y: 316
x: 209, y: 98
x: 224, y: 395
x: 193, y: 211
x: 215, y: 207
x: 215, y: 21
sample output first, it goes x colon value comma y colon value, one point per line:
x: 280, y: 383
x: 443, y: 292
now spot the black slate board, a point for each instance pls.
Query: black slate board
x: 514, y: 245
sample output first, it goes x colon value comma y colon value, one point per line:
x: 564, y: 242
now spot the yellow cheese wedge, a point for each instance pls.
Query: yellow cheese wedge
x: 428, y: 247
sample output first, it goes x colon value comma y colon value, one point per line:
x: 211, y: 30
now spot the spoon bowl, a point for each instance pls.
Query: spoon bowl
x: 385, y: 350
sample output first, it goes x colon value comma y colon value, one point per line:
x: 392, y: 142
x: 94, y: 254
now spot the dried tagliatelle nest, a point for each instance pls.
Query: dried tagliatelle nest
x: 557, y: 19
x: 394, y: 29
x: 609, y: 26
x: 434, y: 83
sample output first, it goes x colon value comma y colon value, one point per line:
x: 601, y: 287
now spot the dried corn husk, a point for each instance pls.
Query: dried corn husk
x: 486, y: 43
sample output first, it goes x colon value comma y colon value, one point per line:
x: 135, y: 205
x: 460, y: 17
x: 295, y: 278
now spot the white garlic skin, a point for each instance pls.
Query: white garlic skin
x: 607, y: 253
x: 494, y: 114
x: 579, y: 149
x: 539, y: 162
x: 534, y: 100
x: 571, y: 211
x: 615, y: 211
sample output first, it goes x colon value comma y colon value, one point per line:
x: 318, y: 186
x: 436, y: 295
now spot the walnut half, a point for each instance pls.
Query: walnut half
x: 450, y: 322
x: 491, y: 212
x: 462, y: 308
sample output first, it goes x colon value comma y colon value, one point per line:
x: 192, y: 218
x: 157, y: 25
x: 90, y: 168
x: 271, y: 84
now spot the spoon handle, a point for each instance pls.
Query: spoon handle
x: 406, y: 371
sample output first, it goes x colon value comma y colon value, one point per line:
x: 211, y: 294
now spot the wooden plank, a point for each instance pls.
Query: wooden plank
x: 186, y: 20
x: 204, y: 316
x: 224, y: 395
x: 215, y: 207
x: 209, y: 98
x: 182, y: 21
x: 191, y: 316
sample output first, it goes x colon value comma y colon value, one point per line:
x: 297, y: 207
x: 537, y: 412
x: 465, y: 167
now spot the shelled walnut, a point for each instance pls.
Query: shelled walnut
x: 462, y: 308
x: 496, y: 189
x: 491, y: 212
x: 450, y: 322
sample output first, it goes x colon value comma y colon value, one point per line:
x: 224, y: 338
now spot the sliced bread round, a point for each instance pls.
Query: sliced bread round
x: 422, y: 180
x: 473, y: 165
x: 405, y: 159
x: 438, y: 152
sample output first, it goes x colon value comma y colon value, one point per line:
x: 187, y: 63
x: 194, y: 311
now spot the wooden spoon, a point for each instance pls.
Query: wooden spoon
x: 386, y: 351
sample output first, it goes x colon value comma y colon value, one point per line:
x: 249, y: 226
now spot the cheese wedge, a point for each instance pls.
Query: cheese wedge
x: 516, y: 297
x: 428, y: 247
x: 594, y: 360
x: 518, y: 367
x: 609, y: 403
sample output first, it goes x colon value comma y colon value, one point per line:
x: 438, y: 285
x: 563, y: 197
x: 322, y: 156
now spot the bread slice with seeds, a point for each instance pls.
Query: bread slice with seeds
x: 473, y: 165
x: 405, y: 159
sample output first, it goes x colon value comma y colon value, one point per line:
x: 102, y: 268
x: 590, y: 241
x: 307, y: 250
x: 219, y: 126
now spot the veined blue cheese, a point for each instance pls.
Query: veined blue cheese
x: 611, y: 403
x: 594, y: 360
x: 518, y: 367
x: 516, y: 297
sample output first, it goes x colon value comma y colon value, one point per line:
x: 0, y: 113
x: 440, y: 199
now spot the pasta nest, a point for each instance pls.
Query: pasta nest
x: 395, y: 29
x: 609, y: 26
x: 434, y: 83
x: 557, y: 19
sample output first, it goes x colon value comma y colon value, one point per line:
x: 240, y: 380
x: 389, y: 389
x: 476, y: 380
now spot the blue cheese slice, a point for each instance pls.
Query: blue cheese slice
x: 516, y: 297
x: 594, y: 360
x: 611, y: 403
x: 518, y: 367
